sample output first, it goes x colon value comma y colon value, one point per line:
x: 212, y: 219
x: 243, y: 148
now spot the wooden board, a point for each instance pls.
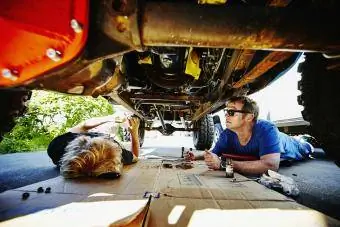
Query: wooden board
x: 185, y: 197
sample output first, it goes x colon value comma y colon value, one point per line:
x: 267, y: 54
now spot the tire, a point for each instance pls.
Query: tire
x: 13, y: 102
x: 218, y: 129
x: 141, y: 132
x: 321, y: 101
x: 216, y: 119
x: 204, y: 136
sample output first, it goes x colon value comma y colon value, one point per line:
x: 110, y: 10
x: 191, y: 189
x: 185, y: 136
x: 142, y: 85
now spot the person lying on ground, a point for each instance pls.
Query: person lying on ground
x: 82, y: 153
x: 257, y: 143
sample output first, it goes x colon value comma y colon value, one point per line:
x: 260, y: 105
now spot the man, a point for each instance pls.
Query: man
x: 80, y: 152
x: 257, y: 142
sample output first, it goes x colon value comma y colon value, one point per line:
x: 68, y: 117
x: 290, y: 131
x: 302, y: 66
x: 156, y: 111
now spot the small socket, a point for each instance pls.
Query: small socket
x: 25, y: 195
x: 48, y: 190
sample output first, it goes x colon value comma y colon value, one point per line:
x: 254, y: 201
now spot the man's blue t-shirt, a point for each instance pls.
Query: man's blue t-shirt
x: 265, y: 139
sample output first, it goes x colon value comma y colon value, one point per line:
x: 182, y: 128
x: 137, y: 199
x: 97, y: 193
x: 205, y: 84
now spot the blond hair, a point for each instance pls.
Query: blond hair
x: 86, y: 156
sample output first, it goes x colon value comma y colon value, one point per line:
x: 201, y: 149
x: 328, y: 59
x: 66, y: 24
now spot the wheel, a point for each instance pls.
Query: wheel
x: 320, y: 98
x: 218, y: 129
x: 141, y: 132
x: 216, y: 119
x: 204, y: 135
x: 13, y: 102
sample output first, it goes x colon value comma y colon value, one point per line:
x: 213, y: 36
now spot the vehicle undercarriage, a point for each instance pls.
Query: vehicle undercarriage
x: 178, y: 60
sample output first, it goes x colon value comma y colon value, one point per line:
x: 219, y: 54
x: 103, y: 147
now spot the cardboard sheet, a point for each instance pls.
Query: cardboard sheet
x: 193, y: 197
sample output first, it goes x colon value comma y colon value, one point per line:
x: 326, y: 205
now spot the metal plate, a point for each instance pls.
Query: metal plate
x: 29, y: 28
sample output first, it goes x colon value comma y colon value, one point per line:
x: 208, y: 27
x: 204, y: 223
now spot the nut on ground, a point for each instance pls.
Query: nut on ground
x: 25, y: 195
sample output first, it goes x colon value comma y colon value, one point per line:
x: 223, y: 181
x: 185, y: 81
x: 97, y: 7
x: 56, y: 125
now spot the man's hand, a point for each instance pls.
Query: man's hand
x: 212, y: 160
x: 189, y: 156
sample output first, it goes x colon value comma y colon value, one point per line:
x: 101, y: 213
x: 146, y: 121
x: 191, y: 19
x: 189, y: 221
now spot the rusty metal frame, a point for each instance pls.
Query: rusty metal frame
x: 220, y: 92
x: 262, y: 67
x: 278, y: 3
x: 162, y: 97
x: 250, y: 27
x: 245, y: 59
x: 134, y: 25
x: 120, y: 100
x: 113, y: 84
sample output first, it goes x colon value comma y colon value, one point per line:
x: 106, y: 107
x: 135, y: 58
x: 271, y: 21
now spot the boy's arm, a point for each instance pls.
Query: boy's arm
x: 199, y: 155
x: 134, y: 125
x: 86, y: 125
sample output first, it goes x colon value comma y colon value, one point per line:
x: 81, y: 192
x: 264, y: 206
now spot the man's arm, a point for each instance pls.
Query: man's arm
x: 195, y: 156
x: 266, y: 162
x: 220, y: 146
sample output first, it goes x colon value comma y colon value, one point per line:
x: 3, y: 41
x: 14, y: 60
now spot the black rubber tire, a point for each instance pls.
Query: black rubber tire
x: 204, y: 136
x: 218, y: 129
x: 13, y: 102
x: 216, y: 119
x: 320, y: 98
x: 141, y: 132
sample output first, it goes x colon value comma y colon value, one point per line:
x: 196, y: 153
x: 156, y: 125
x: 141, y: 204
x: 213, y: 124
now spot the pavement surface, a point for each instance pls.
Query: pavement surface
x: 20, y: 169
x: 319, y: 183
x: 318, y: 180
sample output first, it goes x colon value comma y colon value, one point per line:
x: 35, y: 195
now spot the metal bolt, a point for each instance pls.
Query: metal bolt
x: 8, y: 74
x: 77, y: 28
x: 53, y: 54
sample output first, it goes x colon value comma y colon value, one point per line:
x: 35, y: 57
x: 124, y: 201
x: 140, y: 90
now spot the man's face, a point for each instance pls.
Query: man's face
x: 238, y: 119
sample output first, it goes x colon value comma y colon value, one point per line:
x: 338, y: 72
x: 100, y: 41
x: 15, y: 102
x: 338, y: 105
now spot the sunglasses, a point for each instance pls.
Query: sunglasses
x: 231, y: 112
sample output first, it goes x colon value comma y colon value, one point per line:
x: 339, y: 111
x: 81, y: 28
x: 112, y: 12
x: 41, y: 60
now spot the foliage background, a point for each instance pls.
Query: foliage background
x: 49, y: 115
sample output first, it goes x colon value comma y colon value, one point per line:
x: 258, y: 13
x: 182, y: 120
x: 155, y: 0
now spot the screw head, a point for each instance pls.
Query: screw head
x: 8, y: 74
x: 77, y: 28
x: 53, y: 54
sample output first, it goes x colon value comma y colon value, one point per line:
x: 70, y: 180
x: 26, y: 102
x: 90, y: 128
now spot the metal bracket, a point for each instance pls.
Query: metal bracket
x: 155, y: 195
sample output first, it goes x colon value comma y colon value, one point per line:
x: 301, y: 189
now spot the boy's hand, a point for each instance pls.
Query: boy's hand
x: 133, y: 125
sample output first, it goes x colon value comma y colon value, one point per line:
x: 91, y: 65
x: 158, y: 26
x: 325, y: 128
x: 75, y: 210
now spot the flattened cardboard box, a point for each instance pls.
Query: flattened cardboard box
x: 193, y: 197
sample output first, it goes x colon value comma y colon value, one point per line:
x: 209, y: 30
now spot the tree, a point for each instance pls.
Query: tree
x: 50, y: 114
